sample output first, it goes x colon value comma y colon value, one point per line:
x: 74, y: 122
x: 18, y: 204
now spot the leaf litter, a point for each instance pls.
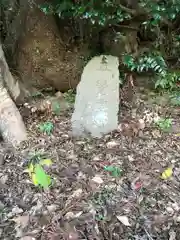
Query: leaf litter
x: 122, y: 186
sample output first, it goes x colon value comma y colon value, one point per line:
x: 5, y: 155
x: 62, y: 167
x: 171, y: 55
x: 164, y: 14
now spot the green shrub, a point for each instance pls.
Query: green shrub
x: 156, y: 18
x: 96, y: 12
x: 46, y: 127
x: 164, y: 124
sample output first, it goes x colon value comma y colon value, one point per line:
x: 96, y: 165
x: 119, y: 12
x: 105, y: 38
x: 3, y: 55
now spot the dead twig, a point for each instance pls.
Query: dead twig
x: 149, y: 236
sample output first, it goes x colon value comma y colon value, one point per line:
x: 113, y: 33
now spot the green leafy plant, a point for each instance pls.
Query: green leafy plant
x: 38, y: 175
x: 152, y: 62
x: 158, y: 19
x: 164, y: 124
x: 113, y: 170
x: 146, y: 63
x: 167, y: 81
x: 161, y: 11
x: 36, y: 156
x: 99, y: 200
x: 70, y: 96
x: 46, y: 127
x: 100, y: 12
x: 164, y: 79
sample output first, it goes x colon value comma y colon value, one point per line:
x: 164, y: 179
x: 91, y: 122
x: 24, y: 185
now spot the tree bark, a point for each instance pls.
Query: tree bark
x: 12, y: 127
x: 8, y: 80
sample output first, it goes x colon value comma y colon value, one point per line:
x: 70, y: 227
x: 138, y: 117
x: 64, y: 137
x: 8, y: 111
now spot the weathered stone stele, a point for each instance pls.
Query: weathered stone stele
x: 97, y: 98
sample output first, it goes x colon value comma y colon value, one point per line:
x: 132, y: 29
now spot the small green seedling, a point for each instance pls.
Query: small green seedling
x: 36, y: 156
x: 164, y: 124
x: 46, y: 127
x: 100, y: 198
x: 99, y: 201
x: 114, y: 171
x: 70, y: 96
x: 38, y: 175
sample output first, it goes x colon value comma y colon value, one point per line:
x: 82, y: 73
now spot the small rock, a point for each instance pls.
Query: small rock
x: 52, y: 208
x: 15, y: 211
x: 97, y: 179
x: 4, y: 179
x: 59, y: 94
x: 69, y: 215
x: 77, y: 193
x: 124, y: 220
x: 112, y: 144
x: 130, y: 158
x: 96, y: 159
x: 81, y: 175
x: 170, y: 210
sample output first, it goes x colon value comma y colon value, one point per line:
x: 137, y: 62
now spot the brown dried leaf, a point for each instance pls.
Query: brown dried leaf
x: 22, y: 221
x: 27, y: 238
x: 172, y: 235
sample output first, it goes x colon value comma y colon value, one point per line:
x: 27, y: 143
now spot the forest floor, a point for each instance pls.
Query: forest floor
x: 103, y: 189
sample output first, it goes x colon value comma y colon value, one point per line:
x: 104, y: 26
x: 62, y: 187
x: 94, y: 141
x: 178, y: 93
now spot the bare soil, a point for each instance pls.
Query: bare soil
x: 86, y: 201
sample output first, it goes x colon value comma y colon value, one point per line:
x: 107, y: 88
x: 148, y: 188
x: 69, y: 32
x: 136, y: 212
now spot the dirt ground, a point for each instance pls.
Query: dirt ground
x: 89, y: 200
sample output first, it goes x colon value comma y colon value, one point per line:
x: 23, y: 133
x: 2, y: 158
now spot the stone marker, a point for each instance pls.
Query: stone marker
x: 97, y: 98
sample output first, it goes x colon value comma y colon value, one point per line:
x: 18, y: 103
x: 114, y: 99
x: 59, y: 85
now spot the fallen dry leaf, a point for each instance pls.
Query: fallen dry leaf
x: 22, y: 221
x: 172, y: 235
x: 112, y: 144
x: 78, y: 214
x: 156, y: 133
x: 77, y: 193
x: 124, y: 220
x: 141, y: 124
x: 27, y: 238
x: 69, y: 215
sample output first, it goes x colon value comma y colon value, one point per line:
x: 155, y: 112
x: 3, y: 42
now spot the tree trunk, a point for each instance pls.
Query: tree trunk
x: 9, y: 81
x: 46, y: 57
x: 12, y: 127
